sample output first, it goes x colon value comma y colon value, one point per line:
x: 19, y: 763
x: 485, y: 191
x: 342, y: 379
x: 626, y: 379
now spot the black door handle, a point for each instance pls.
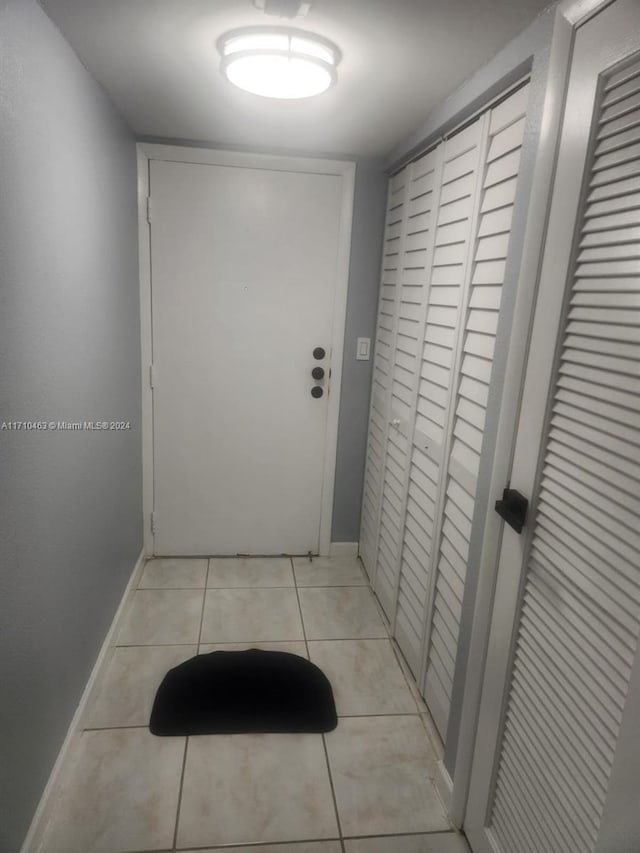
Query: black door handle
x: 318, y: 372
x: 319, y: 353
x: 316, y: 392
x: 513, y: 509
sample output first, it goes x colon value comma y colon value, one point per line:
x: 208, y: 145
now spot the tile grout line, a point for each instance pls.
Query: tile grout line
x: 261, y: 845
x: 340, y: 717
x: 295, y: 586
x: 253, y: 845
x: 324, y: 742
x: 174, y: 846
x: 152, y: 645
x: 204, y: 599
x: 333, y: 792
x: 186, y: 743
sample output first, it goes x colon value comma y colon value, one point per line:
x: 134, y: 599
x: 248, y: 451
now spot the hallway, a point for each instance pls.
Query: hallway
x: 466, y: 379
x: 349, y: 791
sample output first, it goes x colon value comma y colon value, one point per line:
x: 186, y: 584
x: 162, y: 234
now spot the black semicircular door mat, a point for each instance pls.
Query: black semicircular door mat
x: 241, y: 692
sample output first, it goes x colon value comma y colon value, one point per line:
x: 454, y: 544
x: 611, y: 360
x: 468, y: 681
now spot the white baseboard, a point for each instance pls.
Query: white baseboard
x: 43, y: 813
x: 343, y: 549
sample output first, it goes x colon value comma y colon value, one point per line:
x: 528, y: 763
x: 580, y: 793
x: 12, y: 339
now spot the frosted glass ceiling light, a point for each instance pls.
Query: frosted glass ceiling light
x: 278, y: 62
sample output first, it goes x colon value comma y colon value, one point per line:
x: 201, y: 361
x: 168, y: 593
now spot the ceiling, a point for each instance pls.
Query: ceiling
x: 158, y: 61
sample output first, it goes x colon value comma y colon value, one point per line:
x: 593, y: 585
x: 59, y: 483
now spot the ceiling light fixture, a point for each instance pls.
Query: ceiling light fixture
x: 278, y: 62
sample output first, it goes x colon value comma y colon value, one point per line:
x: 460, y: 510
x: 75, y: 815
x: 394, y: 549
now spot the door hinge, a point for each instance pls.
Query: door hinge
x: 148, y: 208
x: 152, y: 376
x: 154, y: 525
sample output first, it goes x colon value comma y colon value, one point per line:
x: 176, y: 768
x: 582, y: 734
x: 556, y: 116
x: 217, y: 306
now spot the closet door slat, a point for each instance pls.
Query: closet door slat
x: 470, y: 390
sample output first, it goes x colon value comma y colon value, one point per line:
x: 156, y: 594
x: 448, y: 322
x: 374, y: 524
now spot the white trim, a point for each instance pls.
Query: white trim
x: 342, y: 168
x: 537, y: 216
x: 343, y: 549
x: 244, y: 159
x: 146, y: 350
x: 578, y: 12
x: 44, y: 812
x: 492, y: 644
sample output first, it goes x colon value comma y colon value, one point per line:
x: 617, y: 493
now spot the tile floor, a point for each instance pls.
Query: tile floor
x: 363, y: 788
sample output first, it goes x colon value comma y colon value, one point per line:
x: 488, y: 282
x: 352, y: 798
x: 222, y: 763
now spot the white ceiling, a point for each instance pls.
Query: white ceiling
x: 158, y: 61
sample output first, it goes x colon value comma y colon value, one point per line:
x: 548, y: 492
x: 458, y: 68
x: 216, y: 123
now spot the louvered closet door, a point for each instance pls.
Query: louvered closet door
x: 417, y: 251
x: 472, y: 237
x: 382, y: 369
x: 456, y: 201
x: 567, y: 737
x: 482, y: 299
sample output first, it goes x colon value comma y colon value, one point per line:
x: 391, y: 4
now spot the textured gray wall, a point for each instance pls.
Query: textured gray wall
x: 362, y: 301
x: 70, y: 502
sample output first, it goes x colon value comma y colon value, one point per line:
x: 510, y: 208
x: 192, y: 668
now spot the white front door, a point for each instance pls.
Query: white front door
x: 557, y: 757
x: 244, y: 264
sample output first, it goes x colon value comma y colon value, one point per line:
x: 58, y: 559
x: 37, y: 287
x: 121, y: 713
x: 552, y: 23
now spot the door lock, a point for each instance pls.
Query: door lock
x: 318, y: 372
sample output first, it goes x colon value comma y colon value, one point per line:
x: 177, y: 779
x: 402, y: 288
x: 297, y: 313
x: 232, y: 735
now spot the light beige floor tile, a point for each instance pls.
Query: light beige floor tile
x: 174, y: 573
x: 449, y: 842
x: 304, y: 847
x: 328, y: 571
x: 378, y: 770
x: 251, y: 615
x: 296, y: 648
x: 340, y: 613
x: 122, y: 794
x: 244, y: 789
x: 125, y: 694
x: 365, y: 676
x: 250, y: 572
x: 162, y: 617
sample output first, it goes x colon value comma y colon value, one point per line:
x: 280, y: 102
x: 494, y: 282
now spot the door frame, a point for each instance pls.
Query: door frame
x: 550, y: 80
x: 218, y: 157
x: 487, y: 691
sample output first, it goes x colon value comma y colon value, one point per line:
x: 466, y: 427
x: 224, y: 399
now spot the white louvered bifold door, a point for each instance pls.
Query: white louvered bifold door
x: 417, y: 249
x: 448, y: 228
x: 456, y: 202
x: 559, y: 750
x: 479, y: 322
x: 474, y: 211
x: 383, y: 360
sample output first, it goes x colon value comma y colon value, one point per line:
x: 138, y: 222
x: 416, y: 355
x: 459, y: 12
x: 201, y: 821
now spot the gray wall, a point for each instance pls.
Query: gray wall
x: 362, y: 302
x: 70, y: 502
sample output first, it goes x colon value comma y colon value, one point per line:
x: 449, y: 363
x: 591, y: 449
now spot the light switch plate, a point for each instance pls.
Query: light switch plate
x: 363, y: 349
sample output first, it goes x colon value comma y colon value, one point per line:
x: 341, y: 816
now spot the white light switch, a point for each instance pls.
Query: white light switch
x: 363, y: 349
